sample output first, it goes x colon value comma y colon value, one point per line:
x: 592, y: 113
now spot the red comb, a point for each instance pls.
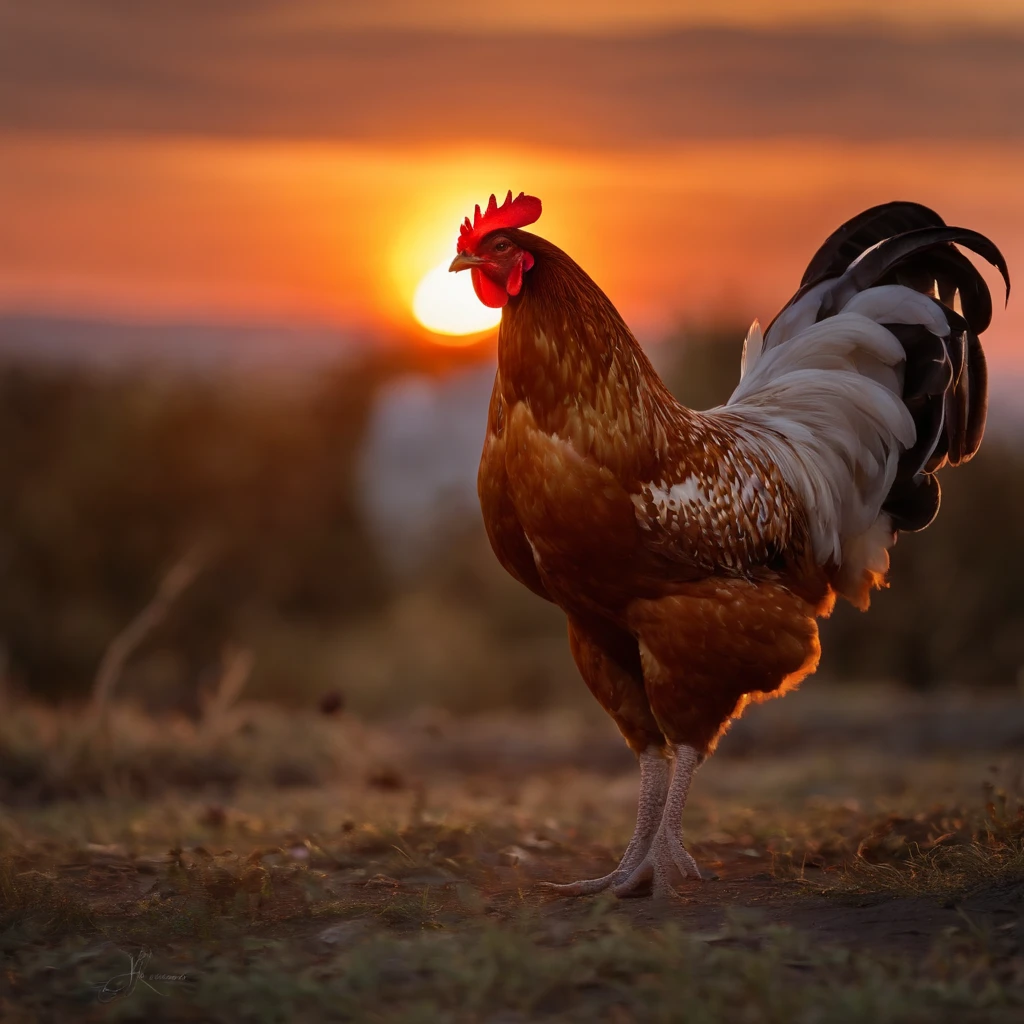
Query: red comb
x: 513, y: 213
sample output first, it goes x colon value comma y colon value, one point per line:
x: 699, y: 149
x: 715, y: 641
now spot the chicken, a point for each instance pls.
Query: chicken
x: 692, y: 552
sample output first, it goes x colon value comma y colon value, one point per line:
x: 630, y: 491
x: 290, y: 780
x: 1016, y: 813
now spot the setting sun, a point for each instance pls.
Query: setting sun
x: 445, y: 303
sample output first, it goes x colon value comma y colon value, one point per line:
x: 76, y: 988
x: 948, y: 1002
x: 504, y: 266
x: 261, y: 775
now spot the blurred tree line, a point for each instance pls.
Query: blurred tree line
x: 107, y: 479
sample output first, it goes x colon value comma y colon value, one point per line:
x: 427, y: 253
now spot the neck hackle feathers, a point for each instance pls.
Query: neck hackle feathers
x: 513, y: 213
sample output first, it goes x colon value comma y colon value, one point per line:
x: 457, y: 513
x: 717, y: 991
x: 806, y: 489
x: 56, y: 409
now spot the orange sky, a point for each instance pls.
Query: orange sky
x: 342, y: 233
x: 311, y: 161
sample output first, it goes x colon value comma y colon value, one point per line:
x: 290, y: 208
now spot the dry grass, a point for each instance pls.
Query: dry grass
x: 393, y: 877
x: 51, y: 755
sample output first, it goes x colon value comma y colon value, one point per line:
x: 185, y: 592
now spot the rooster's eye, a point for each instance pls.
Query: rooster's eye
x: 501, y: 247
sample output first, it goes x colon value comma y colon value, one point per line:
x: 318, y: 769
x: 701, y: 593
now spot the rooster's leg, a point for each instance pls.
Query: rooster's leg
x: 654, y: 775
x: 666, y: 862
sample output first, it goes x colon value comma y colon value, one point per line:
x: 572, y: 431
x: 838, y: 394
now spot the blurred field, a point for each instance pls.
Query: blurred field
x: 112, y: 477
x: 864, y: 852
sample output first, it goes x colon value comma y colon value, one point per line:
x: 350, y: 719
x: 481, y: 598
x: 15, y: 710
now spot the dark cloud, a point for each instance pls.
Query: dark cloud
x: 231, y: 69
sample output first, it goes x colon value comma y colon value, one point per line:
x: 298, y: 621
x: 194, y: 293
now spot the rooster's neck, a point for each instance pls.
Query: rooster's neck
x: 564, y: 351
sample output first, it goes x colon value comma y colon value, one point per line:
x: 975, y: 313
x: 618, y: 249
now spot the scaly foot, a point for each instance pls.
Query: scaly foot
x: 666, y: 862
x: 654, y: 774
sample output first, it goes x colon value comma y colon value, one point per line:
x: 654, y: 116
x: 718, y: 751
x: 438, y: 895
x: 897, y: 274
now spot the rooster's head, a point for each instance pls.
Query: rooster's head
x: 486, y: 249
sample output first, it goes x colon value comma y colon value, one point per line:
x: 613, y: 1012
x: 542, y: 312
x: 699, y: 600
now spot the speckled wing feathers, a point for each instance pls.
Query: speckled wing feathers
x: 717, y: 505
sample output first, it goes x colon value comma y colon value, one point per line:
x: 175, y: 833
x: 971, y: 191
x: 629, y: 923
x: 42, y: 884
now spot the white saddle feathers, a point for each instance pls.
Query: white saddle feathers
x: 823, y: 401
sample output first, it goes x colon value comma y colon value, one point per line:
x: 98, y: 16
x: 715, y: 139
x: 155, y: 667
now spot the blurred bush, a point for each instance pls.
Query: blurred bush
x: 108, y: 479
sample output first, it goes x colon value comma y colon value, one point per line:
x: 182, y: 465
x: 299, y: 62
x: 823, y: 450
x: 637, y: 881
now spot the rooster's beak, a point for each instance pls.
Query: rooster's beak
x: 464, y: 261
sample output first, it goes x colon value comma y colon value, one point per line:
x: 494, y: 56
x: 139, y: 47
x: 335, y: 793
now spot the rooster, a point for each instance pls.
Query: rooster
x: 692, y: 552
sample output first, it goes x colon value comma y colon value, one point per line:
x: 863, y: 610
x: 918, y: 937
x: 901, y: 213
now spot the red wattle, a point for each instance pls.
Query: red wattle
x: 515, y: 278
x: 514, y: 284
x: 489, y: 292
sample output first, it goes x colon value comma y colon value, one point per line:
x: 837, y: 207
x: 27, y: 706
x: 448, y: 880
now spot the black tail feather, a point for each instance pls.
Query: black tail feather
x: 846, y: 243
x: 945, y: 379
x: 874, y: 265
x: 914, y: 502
x: 977, y: 384
x: 947, y: 394
x: 953, y: 272
x: 929, y: 371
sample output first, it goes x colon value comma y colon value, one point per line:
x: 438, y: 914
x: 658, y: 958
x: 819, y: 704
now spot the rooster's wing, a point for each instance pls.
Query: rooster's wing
x: 718, y: 506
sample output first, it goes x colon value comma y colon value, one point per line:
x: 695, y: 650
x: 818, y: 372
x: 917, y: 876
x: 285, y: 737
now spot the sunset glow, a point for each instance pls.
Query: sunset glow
x: 446, y: 304
x: 294, y: 232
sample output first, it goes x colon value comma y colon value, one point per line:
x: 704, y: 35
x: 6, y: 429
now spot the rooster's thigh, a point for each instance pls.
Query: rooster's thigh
x: 719, y: 643
x: 609, y: 661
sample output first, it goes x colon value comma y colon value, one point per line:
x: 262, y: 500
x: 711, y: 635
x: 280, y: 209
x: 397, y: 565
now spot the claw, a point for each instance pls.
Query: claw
x: 585, y: 886
x: 685, y: 864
